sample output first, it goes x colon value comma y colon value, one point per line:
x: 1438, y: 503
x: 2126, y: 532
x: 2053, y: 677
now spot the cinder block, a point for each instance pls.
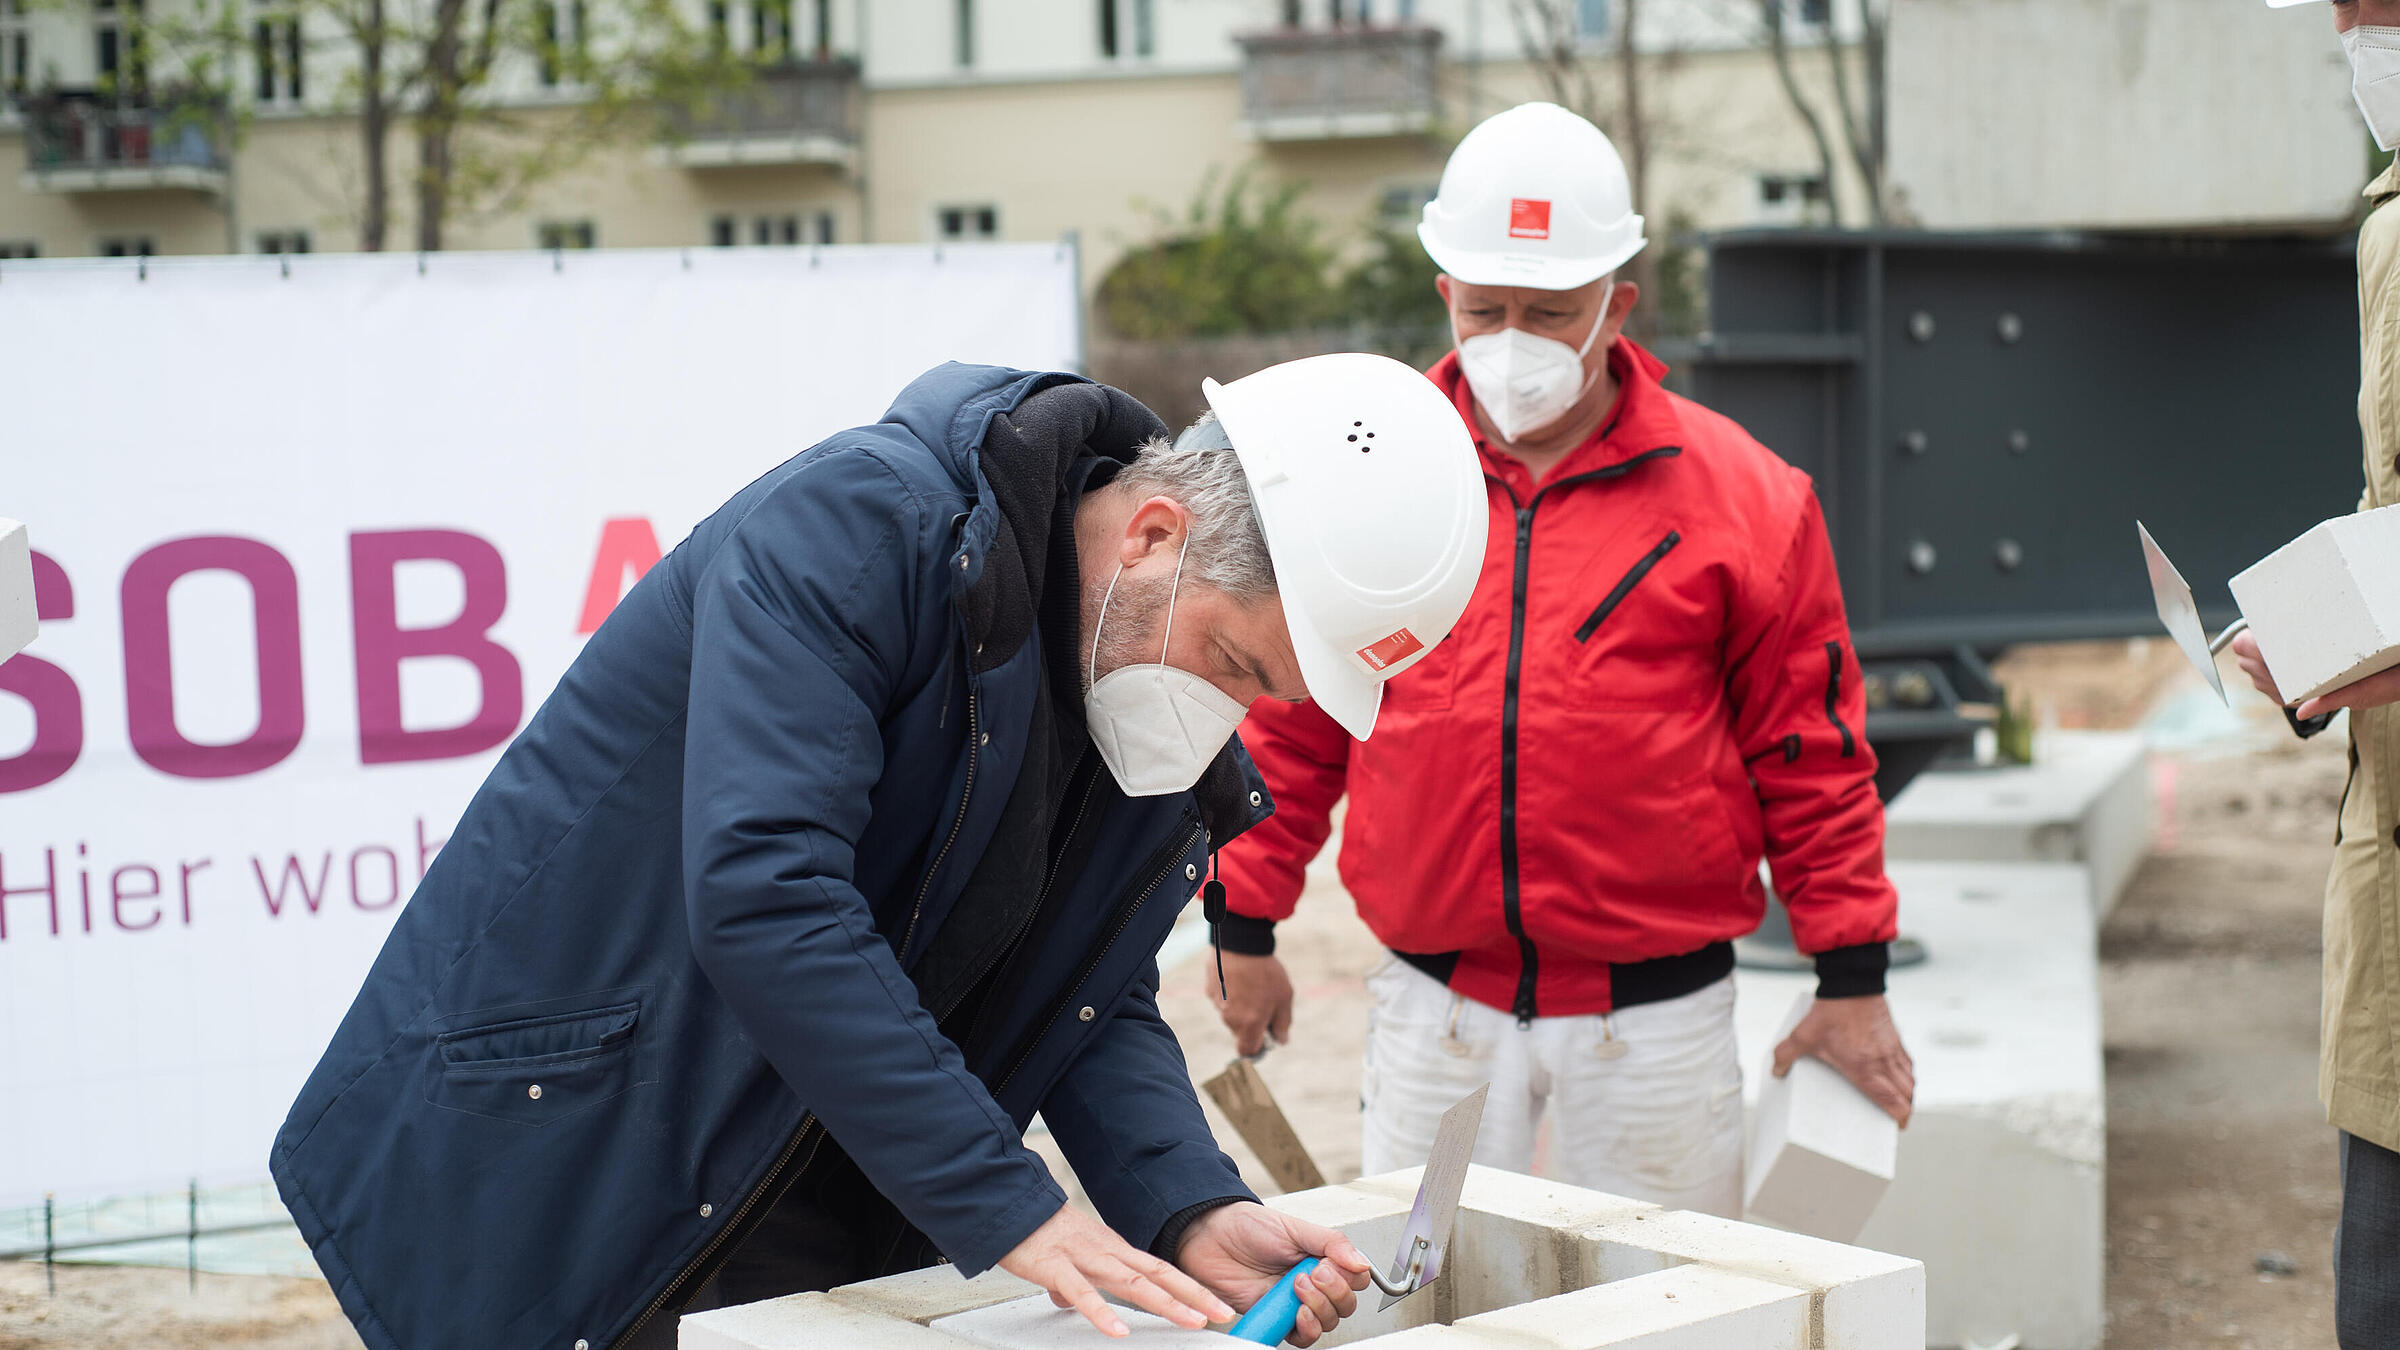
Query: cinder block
x: 2088, y: 798
x: 1685, y: 1308
x: 921, y: 1296
x: 1821, y: 1153
x: 1035, y: 1324
x: 1518, y: 1239
x: 17, y: 624
x: 2326, y: 606
x: 1370, y: 1212
x: 1871, y: 1301
x: 805, y: 1320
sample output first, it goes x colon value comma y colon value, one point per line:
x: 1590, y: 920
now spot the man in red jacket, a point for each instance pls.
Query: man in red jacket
x: 1558, y: 825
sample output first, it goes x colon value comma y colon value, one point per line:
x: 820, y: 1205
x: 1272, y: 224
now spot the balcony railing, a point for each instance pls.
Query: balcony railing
x: 1302, y: 84
x: 85, y: 141
x: 794, y: 112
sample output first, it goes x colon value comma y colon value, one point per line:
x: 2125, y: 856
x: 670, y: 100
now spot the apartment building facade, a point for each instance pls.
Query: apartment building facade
x: 892, y: 121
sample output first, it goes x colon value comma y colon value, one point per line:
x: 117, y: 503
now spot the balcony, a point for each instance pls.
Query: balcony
x: 1302, y: 84
x: 85, y: 141
x: 789, y: 113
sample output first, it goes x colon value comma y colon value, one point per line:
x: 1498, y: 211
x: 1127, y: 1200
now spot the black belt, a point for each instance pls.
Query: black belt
x: 1631, y: 983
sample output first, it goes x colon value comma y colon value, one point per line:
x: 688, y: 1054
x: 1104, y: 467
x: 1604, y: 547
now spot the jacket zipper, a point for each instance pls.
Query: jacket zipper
x: 808, y: 1126
x: 1033, y: 911
x: 1528, y: 957
x: 1124, y: 921
x: 957, y: 822
x: 1625, y: 585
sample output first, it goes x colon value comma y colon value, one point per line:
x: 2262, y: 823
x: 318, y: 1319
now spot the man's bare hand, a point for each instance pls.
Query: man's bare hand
x: 1256, y: 1002
x: 2371, y: 692
x: 1244, y: 1250
x: 1082, y: 1261
x: 1856, y: 1037
x: 2245, y: 654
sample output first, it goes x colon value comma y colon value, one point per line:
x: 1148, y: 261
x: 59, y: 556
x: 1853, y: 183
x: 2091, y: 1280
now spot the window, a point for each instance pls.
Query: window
x: 128, y: 246
x: 275, y: 47
x: 16, y: 49
x: 719, y: 26
x: 775, y: 230
x: 825, y: 227
x: 720, y: 232
x: 117, y: 40
x: 1404, y: 204
x: 771, y: 29
x: 1591, y: 18
x: 966, y: 33
x: 563, y: 40
x: 553, y: 235
x: 1291, y: 13
x: 1128, y: 28
x: 1792, y: 199
x: 1819, y: 12
x: 20, y: 249
x: 283, y: 241
x: 968, y: 222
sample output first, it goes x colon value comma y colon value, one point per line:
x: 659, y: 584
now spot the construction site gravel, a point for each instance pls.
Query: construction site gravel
x: 2222, y: 1185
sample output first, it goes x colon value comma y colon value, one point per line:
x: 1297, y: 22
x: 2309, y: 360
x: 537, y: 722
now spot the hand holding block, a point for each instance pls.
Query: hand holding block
x: 1821, y: 1152
x: 2325, y: 607
x: 16, y: 589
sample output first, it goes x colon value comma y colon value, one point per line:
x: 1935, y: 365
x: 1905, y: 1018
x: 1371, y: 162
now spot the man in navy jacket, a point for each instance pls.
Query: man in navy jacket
x: 746, y: 969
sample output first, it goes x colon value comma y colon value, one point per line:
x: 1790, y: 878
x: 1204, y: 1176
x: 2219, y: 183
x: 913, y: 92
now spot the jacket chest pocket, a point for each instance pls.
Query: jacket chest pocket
x: 1638, y: 632
x: 533, y: 1064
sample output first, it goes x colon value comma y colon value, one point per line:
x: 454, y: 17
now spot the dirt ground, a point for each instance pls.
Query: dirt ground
x: 2219, y: 1159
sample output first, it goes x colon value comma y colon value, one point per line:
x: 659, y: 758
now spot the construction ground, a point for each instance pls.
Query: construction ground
x: 2222, y: 1185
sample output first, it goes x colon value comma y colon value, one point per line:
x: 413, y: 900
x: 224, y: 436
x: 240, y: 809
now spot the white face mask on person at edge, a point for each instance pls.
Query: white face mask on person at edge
x: 1157, y: 727
x: 1524, y: 382
x: 2375, y: 79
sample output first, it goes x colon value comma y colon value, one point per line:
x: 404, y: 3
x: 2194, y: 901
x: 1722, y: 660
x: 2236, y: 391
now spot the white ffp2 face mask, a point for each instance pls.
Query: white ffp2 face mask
x: 1157, y: 726
x: 1525, y: 382
x: 2375, y: 79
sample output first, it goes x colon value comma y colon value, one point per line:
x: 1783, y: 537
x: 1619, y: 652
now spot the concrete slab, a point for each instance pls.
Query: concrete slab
x: 1686, y: 1308
x: 921, y: 1296
x: 1999, y: 1185
x: 17, y: 624
x: 805, y: 1320
x: 2087, y: 798
x: 1036, y: 1324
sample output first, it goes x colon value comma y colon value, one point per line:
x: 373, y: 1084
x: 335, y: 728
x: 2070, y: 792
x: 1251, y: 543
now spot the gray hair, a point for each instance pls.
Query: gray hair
x: 1227, y: 549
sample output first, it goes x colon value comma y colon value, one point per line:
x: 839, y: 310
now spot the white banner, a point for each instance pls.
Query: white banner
x: 309, y: 547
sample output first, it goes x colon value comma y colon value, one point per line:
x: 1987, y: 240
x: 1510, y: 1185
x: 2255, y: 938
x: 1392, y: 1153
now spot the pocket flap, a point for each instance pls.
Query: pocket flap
x: 549, y: 1037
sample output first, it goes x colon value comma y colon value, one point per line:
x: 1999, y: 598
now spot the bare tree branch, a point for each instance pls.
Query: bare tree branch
x: 1780, y: 47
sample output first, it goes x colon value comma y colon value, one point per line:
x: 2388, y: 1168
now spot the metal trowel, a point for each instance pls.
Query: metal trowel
x: 2181, y: 614
x: 1423, y: 1239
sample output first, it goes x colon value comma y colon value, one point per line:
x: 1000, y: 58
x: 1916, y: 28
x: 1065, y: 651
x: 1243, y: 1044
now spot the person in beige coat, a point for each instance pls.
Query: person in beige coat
x: 2359, y: 1075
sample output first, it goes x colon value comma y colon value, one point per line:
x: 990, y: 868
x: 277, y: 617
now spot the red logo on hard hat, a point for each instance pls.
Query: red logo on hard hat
x: 1392, y: 650
x: 1528, y: 219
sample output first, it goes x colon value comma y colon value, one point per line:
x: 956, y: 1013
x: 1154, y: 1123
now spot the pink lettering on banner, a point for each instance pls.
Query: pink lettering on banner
x: 389, y: 880
x: 382, y: 644
x: 118, y: 895
x: 293, y: 873
x: 149, y: 670
x: 627, y: 545
x: 49, y: 888
x: 57, y: 703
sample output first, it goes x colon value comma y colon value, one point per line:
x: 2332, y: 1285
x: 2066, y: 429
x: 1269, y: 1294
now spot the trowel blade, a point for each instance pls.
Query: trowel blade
x: 1436, y: 1208
x: 2179, y: 612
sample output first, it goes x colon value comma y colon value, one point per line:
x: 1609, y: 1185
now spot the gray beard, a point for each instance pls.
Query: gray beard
x: 1135, y: 626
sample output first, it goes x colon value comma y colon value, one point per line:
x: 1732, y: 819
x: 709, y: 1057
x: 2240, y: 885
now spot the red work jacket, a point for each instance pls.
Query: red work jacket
x: 1564, y: 806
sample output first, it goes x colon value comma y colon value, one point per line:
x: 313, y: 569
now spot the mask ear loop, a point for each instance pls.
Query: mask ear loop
x: 1091, y: 667
x: 1172, y: 588
x: 1594, y: 336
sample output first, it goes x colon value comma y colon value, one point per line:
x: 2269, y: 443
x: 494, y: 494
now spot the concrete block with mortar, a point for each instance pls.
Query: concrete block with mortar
x: 2325, y: 607
x: 2088, y: 798
x: 1999, y: 1185
x: 1533, y: 1265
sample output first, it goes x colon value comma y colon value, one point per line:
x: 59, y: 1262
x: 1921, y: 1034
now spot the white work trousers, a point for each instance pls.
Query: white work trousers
x: 1645, y: 1102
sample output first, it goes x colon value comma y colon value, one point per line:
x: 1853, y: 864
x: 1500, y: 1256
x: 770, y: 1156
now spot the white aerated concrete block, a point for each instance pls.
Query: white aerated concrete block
x: 1821, y: 1152
x: 17, y: 625
x: 2000, y: 1186
x: 2087, y: 798
x: 2326, y: 606
x: 1559, y: 1268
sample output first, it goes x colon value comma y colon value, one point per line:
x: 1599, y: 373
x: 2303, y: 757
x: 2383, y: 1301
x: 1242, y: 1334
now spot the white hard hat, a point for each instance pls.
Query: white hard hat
x: 1372, y: 501
x: 1534, y: 196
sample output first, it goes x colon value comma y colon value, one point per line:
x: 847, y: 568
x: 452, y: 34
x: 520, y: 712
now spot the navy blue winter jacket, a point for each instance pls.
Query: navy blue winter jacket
x: 675, y: 937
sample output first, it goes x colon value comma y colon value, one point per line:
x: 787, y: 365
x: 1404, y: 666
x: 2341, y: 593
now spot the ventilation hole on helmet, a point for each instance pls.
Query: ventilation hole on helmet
x: 1370, y: 435
x: 1354, y: 438
x: 1358, y: 424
